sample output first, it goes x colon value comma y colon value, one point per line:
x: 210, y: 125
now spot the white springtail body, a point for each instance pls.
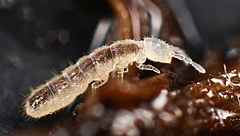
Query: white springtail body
x: 62, y: 89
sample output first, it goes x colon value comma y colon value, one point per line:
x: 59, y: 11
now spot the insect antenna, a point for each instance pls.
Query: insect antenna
x: 189, y: 61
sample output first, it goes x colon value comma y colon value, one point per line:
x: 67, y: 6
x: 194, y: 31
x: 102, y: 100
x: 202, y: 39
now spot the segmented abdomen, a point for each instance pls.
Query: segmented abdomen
x: 63, y: 89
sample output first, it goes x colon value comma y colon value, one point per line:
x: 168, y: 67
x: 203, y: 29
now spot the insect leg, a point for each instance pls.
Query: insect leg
x: 189, y: 61
x: 120, y: 72
x: 147, y: 67
x: 97, y: 84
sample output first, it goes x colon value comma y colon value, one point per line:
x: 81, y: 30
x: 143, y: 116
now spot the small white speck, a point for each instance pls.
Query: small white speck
x: 204, y: 90
x: 200, y: 101
x: 210, y: 93
x: 220, y: 94
x: 220, y: 81
x: 174, y: 93
x: 161, y: 100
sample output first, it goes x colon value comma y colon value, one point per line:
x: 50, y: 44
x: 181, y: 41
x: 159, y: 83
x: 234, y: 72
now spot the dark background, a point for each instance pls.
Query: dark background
x: 40, y: 37
x: 31, y: 50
